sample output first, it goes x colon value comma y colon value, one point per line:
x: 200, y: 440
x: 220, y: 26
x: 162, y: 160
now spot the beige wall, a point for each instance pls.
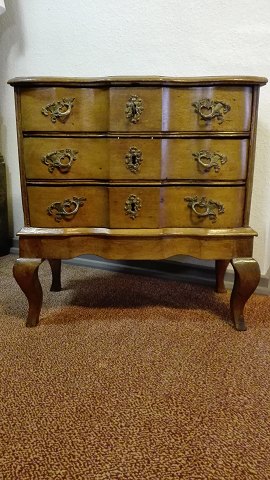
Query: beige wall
x: 138, y: 37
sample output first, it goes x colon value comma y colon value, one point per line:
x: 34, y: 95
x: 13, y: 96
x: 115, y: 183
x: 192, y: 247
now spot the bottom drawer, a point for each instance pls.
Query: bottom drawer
x: 136, y: 206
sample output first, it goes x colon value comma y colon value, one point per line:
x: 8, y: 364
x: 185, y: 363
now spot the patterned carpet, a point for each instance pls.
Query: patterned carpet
x: 132, y: 378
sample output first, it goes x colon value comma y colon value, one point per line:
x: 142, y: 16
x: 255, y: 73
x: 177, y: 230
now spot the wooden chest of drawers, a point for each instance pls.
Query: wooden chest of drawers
x: 137, y: 168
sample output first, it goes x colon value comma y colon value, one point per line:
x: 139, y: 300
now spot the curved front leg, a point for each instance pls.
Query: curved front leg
x: 55, y: 265
x: 221, y: 267
x: 25, y: 272
x: 247, y: 277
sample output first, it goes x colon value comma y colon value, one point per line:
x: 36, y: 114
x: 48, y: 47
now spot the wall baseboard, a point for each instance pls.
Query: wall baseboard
x: 184, y: 270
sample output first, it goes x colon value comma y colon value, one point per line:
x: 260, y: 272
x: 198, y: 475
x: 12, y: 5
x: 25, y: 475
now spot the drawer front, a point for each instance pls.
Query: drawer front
x: 136, y: 207
x: 226, y: 109
x: 65, y: 109
x: 135, y: 159
x: 136, y: 109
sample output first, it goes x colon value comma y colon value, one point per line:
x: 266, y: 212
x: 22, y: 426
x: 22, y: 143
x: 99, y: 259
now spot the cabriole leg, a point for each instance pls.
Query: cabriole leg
x: 247, y: 277
x: 25, y: 272
x: 55, y: 265
x: 221, y: 267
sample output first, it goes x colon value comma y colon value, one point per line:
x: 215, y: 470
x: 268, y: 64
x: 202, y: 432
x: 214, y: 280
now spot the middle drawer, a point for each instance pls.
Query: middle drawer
x: 135, y: 158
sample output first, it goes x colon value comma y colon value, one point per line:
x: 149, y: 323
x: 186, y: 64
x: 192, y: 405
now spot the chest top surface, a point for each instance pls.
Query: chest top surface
x: 155, y: 80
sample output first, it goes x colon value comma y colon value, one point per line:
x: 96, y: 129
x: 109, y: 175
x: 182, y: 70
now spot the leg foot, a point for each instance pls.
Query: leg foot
x: 25, y: 272
x: 55, y: 265
x: 221, y: 267
x: 247, y: 277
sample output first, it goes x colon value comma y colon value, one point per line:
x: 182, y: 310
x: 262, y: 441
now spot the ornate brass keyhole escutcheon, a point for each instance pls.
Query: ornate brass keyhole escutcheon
x: 133, y: 159
x: 205, y: 208
x: 66, y: 209
x: 132, y: 206
x: 61, y: 159
x: 207, y: 160
x: 59, y: 110
x: 208, y: 109
x: 134, y: 109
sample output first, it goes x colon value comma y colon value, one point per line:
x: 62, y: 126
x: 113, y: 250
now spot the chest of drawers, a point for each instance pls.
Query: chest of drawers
x: 137, y: 168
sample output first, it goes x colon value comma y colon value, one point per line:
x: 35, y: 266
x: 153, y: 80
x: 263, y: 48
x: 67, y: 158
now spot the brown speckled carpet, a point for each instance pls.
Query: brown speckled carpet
x: 132, y: 378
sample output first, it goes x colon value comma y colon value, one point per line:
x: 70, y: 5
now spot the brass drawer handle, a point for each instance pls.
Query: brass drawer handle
x: 208, y: 109
x: 134, y: 109
x: 59, y: 110
x: 134, y: 159
x: 132, y: 206
x: 61, y: 159
x: 207, y: 160
x: 66, y: 209
x: 205, y: 208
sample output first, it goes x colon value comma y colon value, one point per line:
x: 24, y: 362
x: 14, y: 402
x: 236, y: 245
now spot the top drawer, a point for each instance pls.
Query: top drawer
x: 137, y: 109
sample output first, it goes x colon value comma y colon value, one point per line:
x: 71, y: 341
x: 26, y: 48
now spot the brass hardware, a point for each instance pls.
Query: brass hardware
x: 206, y: 207
x: 61, y: 159
x: 134, y: 109
x: 66, y: 209
x: 132, y: 206
x: 207, y: 160
x: 134, y: 159
x: 208, y: 109
x: 59, y: 110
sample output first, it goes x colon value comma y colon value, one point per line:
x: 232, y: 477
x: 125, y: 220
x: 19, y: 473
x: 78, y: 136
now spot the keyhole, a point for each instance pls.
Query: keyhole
x: 133, y: 159
x: 134, y: 110
x: 133, y: 206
